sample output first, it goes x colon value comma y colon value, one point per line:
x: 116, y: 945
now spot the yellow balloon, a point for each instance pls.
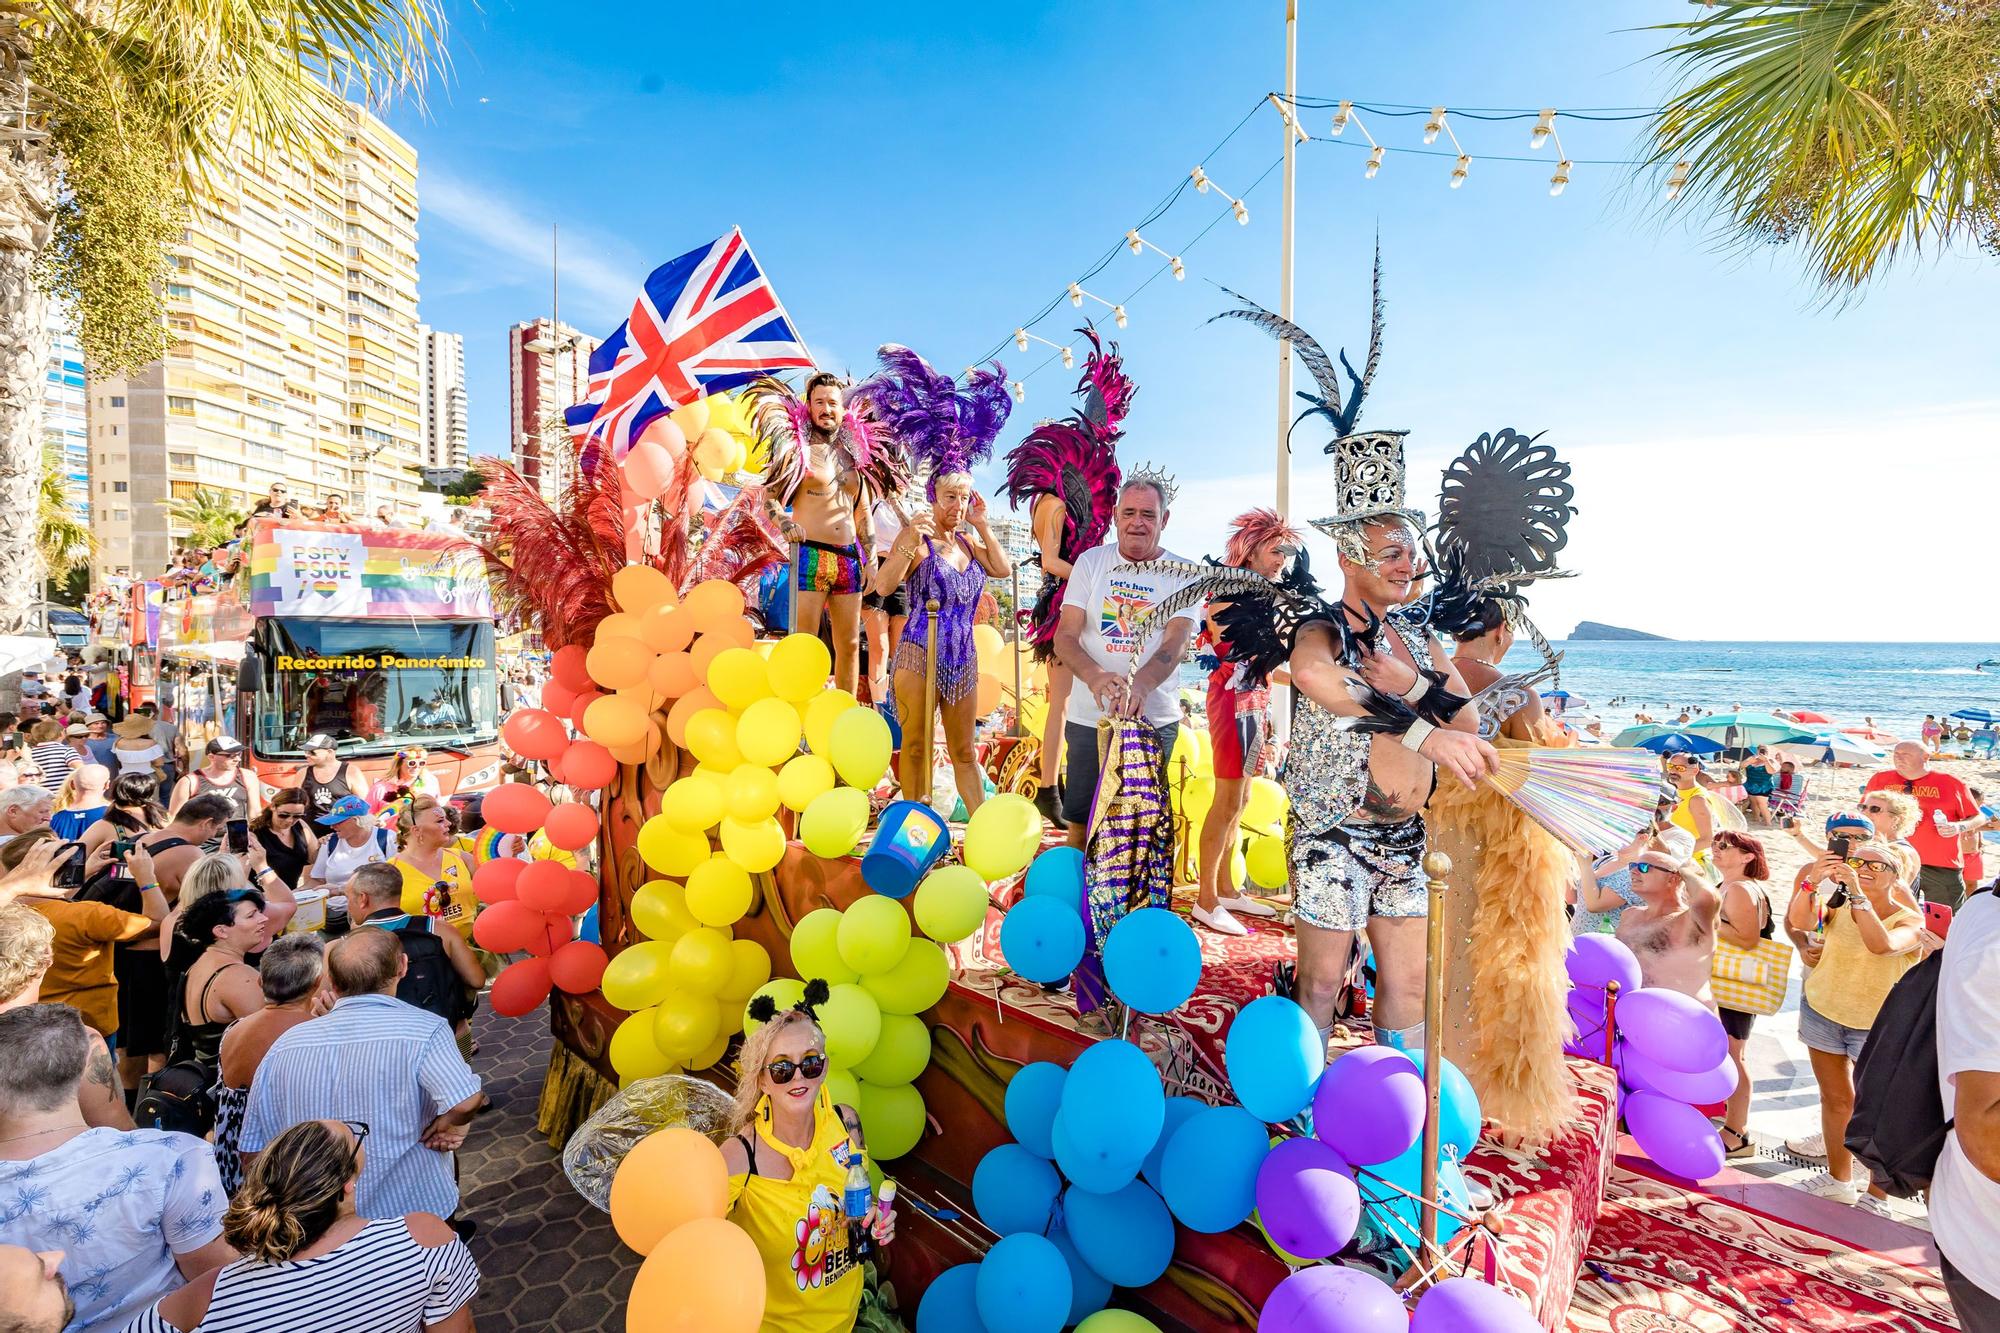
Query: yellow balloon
x: 719, y: 892
x: 739, y: 678
x: 784, y: 992
x: 1265, y: 862
x: 803, y: 779
x: 638, y: 976
x: 1002, y: 836
x: 1198, y: 796
x: 692, y: 418
x: 714, y: 450
x: 692, y: 804
x: 860, y: 747
x: 711, y: 735
x: 892, y: 1118
x: 615, y: 720
x: 799, y: 666
x: 834, y: 822
x: 639, y: 588
x: 633, y: 1052
x: 669, y: 850
x: 821, y: 711
x: 768, y: 732
x: 715, y: 1050
x: 700, y: 963
x: 1204, y: 756
x: 757, y: 847
x: 915, y: 983
x: 751, y: 793
x: 1266, y: 806
x: 1239, y: 868
x: 990, y: 646
x: 852, y: 1022
x: 685, y: 1023
x: 660, y: 910
x: 749, y: 968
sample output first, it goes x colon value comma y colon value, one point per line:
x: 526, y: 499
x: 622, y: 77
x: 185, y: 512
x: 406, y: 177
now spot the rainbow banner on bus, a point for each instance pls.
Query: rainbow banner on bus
x: 350, y: 571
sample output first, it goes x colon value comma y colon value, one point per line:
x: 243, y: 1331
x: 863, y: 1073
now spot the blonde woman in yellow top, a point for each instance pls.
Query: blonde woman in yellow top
x: 788, y: 1156
x: 1871, y: 927
x: 437, y: 877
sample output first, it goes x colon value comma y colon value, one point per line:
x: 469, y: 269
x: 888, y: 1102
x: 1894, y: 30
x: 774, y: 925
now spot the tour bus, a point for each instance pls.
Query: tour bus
x: 379, y: 637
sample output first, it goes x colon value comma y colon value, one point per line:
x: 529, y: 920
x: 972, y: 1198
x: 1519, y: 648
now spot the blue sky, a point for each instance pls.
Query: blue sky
x: 934, y: 175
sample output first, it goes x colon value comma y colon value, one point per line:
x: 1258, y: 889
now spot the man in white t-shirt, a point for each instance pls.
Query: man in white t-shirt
x: 1102, y: 605
x: 1965, y: 1187
x: 355, y: 841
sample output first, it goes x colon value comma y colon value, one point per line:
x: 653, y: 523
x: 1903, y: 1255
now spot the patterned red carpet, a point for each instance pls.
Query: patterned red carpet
x: 1664, y: 1260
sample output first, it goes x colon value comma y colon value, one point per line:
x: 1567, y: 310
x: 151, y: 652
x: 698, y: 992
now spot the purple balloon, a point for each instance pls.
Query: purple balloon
x: 1703, y: 1089
x: 1370, y: 1105
x: 1467, y: 1305
x: 1327, y: 1298
x: 1672, y: 1029
x: 1307, y: 1200
x: 1677, y: 1137
x: 1596, y: 960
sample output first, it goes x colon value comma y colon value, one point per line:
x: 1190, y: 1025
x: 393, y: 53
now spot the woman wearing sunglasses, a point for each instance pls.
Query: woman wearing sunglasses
x: 311, y: 1264
x: 1744, y: 919
x: 409, y: 775
x: 1672, y: 930
x: 788, y: 1155
x: 286, y: 835
x: 1871, y: 928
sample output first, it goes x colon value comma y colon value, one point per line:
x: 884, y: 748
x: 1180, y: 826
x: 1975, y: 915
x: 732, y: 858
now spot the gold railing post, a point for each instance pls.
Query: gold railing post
x: 930, y: 704
x: 1436, y: 866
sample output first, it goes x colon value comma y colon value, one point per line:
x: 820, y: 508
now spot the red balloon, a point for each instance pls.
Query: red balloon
x: 588, y: 766
x: 577, y: 967
x: 584, y: 699
x: 543, y: 886
x: 582, y: 893
x: 515, y: 807
x: 571, y: 825
x: 551, y: 932
x: 555, y: 767
x: 557, y: 697
x: 497, y: 880
x: 534, y: 734
x: 568, y: 669
x: 520, y: 987
x: 506, y: 927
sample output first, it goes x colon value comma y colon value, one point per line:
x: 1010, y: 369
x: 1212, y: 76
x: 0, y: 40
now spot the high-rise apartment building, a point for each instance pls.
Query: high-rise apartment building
x: 447, y: 436
x: 293, y: 308
x: 548, y: 369
x: 65, y: 423
x: 1017, y: 537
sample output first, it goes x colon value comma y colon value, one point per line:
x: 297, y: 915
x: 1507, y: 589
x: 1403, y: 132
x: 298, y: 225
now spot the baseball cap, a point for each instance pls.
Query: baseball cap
x: 344, y: 809
x: 1841, y: 819
x: 320, y: 741
x: 225, y: 745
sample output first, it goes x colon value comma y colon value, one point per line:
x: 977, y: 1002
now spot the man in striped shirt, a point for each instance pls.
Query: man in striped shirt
x: 374, y: 1059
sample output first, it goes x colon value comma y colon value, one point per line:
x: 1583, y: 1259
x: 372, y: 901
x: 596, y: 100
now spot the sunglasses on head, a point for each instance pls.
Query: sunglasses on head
x: 781, y: 1071
x: 359, y: 1129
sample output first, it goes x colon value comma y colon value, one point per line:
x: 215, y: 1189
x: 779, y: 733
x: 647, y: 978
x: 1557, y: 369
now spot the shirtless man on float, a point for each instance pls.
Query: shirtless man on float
x: 830, y: 529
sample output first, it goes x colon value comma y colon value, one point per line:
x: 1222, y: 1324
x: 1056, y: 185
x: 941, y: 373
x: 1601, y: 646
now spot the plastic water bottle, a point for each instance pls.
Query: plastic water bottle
x: 856, y: 1198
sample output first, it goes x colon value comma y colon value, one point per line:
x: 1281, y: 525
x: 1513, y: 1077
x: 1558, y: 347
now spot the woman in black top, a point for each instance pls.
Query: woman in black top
x: 143, y: 1005
x: 286, y: 833
x: 219, y: 987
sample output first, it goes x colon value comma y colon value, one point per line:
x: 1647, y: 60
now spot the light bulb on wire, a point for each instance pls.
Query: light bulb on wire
x: 1560, y: 181
x: 1458, y: 172
x: 1374, y: 163
x: 1434, y: 124
x: 1180, y: 273
x: 1069, y: 359
x: 1545, y: 125
x: 1677, y: 181
x: 1340, y: 117
x: 1020, y: 392
x: 1133, y: 243
x: 1118, y: 315
x: 1076, y: 295
x: 1241, y: 211
x: 1021, y: 339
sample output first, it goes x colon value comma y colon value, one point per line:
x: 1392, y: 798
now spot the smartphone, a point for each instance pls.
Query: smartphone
x: 1937, y: 919
x: 68, y: 867
x: 1838, y: 844
x: 239, y: 836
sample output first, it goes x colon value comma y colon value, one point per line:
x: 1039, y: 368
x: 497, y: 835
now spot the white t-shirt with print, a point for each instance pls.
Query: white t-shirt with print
x: 1113, y: 601
x: 337, y: 861
x: 1964, y: 1204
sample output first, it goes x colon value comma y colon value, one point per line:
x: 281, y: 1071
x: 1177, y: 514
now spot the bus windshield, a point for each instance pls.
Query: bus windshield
x: 375, y: 686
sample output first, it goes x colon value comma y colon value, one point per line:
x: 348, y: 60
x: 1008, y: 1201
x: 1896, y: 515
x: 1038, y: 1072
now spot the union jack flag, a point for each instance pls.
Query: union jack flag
x: 705, y: 323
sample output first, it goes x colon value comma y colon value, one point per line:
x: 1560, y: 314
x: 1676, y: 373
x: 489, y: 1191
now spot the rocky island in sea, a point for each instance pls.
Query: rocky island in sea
x: 1592, y: 630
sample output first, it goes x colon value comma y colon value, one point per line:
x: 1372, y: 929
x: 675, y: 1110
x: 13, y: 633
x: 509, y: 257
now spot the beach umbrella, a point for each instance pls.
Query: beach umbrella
x: 1644, y: 731
x: 1840, y: 747
x: 1750, y: 728
x: 1978, y: 715
x: 1875, y: 734
x: 1677, y: 742
x: 1806, y: 715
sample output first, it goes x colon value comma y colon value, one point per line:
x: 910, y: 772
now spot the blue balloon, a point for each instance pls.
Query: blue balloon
x: 1089, y: 1293
x: 1388, y: 1213
x: 1127, y: 1236
x: 1013, y: 1190
x: 1275, y: 1056
x: 1042, y: 939
x: 1102, y: 1166
x: 1024, y: 1286
x: 1034, y: 1095
x: 1178, y: 1111
x: 1057, y: 873
x: 950, y: 1303
x: 1113, y: 1099
x: 1152, y: 960
x: 1459, y: 1116
x: 1209, y: 1174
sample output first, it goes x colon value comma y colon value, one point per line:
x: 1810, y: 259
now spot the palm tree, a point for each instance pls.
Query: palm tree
x: 114, y: 107
x: 208, y: 516
x: 62, y: 540
x: 1859, y: 129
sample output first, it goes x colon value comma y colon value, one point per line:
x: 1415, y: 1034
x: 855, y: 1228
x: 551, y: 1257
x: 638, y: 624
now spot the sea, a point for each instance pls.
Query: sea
x: 1893, y: 683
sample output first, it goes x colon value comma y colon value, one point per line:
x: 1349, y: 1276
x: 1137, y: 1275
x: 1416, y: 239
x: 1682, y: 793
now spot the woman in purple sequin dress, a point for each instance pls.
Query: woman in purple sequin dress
x: 947, y: 552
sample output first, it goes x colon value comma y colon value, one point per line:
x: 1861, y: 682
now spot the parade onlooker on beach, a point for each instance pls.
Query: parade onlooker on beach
x: 327, y: 777
x: 1760, y: 779
x: 1964, y: 1197
x: 1933, y: 731
x: 1605, y: 889
x: 221, y: 773
x: 1743, y: 919
x: 52, y: 755
x: 1868, y: 930
x: 1972, y: 843
x: 1672, y: 930
x: 1945, y: 804
x: 84, y: 798
x: 284, y: 831
x: 219, y: 986
x: 290, y: 975
x: 159, y: 1228
x: 1693, y: 804
x: 134, y: 749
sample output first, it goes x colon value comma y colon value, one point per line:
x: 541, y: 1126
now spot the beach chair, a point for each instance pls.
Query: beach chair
x: 1790, y: 800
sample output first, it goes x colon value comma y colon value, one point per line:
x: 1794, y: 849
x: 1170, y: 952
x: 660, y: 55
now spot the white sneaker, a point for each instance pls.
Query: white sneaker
x: 1243, y: 904
x: 1825, y: 1186
x: 1812, y: 1145
x: 1868, y: 1203
x: 1220, y: 921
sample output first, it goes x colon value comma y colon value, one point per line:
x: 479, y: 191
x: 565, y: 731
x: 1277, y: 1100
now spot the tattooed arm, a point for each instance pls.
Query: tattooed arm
x: 99, y: 1095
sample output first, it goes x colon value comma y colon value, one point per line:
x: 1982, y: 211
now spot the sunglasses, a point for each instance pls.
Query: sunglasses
x: 359, y: 1129
x: 811, y: 1067
x: 437, y: 900
x: 287, y: 811
x: 1861, y: 863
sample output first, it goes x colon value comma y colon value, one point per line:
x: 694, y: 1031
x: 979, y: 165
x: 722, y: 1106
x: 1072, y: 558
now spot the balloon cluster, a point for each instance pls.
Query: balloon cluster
x: 1670, y: 1051
x: 1257, y: 855
x: 670, y: 1202
x: 1327, y: 1298
x: 715, y: 431
x: 531, y: 906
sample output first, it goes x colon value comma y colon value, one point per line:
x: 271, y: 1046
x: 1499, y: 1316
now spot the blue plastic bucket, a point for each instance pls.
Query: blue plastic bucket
x: 908, y: 842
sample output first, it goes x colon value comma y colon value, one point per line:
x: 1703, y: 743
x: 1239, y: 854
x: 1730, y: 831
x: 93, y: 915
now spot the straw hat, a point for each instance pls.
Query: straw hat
x: 134, y: 727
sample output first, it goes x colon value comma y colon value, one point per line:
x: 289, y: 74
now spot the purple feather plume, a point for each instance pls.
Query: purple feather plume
x: 930, y: 417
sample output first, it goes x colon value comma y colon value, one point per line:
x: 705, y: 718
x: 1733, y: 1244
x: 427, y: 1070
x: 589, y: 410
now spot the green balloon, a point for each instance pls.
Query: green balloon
x: 852, y: 1021
x: 892, y: 1116
x: 914, y: 984
x: 784, y: 992
x: 816, y: 948
x: 1117, y: 1321
x: 834, y: 822
x: 843, y: 1088
x: 900, y: 1053
x: 951, y: 904
x: 874, y: 934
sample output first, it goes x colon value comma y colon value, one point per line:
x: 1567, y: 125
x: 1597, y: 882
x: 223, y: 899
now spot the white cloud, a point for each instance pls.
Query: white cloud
x: 501, y: 225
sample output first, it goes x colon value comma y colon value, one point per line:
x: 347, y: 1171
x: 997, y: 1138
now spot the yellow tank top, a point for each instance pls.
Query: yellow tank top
x: 812, y: 1282
x: 423, y: 897
x: 1851, y: 982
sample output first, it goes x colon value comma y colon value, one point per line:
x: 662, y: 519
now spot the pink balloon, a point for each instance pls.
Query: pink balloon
x: 666, y: 433
x: 649, y: 470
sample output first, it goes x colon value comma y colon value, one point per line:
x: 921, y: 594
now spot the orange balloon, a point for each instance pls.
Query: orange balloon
x: 990, y: 690
x: 736, y: 630
x: 640, y: 588
x: 686, y: 707
x: 666, y: 628
x: 714, y: 600
x: 666, y: 433
x: 672, y: 675
x: 705, y: 1277
x: 649, y: 470
x: 615, y: 721
x: 619, y: 662
x: 705, y: 650
x: 670, y: 1177
x: 617, y: 625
